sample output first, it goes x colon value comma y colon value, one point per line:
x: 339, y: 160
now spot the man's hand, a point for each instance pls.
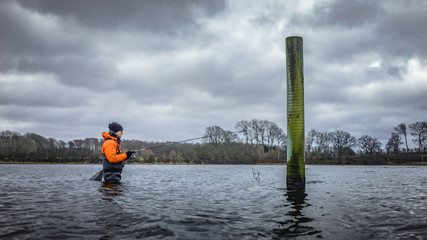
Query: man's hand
x: 129, y: 154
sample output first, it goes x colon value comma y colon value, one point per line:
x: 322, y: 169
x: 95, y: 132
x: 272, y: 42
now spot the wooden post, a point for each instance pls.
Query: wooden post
x: 295, y: 173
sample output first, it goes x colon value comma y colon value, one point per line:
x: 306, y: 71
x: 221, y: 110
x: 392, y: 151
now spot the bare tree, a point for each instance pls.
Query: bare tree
x: 323, y: 140
x: 263, y: 125
x: 393, y: 143
x: 419, y: 130
x: 369, y: 144
x: 244, y: 127
x: 341, y: 141
x: 228, y: 137
x: 214, y: 135
x: 401, y: 129
x: 259, y: 128
x: 273, y: 132
x: 256, y: 131
x: 309, y: 140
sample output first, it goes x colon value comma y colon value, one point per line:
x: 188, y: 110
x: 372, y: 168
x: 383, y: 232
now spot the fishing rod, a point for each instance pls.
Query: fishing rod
x: 169, y: 143
x: 177, y: 142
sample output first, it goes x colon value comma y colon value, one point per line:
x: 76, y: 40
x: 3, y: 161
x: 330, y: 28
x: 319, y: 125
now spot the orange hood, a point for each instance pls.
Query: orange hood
x: 106, y: 136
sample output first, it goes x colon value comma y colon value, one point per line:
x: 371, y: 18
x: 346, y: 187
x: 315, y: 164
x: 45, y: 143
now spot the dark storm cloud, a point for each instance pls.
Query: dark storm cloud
x: 69, y: 45
x: 394, y: 29
x: 21, y: 36
x: 345, y: 14
x: 158, y: 16
x: 404, y: 33
x: 32, y: 43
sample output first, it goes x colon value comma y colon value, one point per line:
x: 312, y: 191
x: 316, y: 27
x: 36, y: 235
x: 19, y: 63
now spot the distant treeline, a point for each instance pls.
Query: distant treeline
x: 252, y: 142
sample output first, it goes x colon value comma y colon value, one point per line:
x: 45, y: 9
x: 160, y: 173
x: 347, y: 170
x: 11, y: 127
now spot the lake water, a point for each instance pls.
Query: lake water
x: 213, y: 202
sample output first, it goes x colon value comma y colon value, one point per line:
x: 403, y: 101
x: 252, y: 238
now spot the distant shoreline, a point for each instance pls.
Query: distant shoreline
x: 261, y: 164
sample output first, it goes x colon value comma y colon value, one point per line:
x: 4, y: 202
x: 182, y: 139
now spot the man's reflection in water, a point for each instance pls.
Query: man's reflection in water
x: 110, y: 190
x: 296, y: 223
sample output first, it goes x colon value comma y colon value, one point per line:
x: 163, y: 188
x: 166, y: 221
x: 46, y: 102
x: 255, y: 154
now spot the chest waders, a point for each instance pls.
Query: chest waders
x: 113, y: 171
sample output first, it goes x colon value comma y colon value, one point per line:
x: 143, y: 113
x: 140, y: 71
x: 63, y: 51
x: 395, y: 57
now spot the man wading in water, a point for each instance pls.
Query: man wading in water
x: 113, y: 161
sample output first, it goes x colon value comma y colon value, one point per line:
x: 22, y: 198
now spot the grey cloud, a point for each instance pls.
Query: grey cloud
x: 40, y: 93
x: 342, y: 13
x: 393, y: 31
x: 229, y: 78
x: 20, y: 37
x: 347, y: 13
x: 84, y: 71
x: 404, y: 33
x: 58, y: 122
x: 27, y: 47
x: 76, y: 59
x: 165, y: 16
x: 40, y: 98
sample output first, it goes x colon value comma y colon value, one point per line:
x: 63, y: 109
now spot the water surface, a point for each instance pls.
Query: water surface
x: 213, y: 202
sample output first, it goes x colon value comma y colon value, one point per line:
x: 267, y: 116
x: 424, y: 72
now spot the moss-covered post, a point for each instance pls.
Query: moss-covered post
x: 295, y: 173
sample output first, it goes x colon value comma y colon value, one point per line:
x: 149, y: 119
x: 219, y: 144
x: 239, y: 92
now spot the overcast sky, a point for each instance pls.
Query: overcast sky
x: 166, y: 70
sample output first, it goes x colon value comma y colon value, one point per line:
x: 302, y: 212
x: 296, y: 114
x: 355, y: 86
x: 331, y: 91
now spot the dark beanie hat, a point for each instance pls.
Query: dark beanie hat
x: 115, y: 127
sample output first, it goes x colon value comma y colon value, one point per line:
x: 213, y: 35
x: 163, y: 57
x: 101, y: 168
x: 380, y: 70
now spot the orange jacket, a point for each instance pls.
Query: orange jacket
x: 111, y: 149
